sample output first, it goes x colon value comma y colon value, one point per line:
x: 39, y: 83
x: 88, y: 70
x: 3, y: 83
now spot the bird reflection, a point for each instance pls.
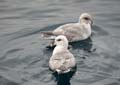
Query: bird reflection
x: 85, y: 45
x: 64, y: 79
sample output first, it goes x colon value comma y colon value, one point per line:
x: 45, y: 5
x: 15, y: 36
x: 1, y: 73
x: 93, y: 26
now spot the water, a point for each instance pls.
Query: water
x: 23, y: 54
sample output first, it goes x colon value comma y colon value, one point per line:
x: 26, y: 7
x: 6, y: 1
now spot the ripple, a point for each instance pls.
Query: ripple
x: 23, y: 54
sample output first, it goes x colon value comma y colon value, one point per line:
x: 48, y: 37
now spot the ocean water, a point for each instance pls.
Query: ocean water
x: 23, y: 53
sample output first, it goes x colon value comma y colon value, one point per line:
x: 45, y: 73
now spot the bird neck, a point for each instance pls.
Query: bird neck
x: 86, y: 25
x: 87, y: 29
x: 59, y: 49
x: 86, y: 22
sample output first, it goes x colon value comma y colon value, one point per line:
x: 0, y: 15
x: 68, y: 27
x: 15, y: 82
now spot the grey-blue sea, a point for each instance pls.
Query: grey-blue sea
x: 23, y: 54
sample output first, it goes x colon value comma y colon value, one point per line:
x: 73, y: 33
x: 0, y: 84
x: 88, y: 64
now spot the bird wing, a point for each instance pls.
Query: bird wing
x: 71, y: 31
x: 62, y: 61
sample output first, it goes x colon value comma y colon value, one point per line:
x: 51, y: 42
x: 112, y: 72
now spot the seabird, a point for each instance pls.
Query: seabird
x: 62, y: 60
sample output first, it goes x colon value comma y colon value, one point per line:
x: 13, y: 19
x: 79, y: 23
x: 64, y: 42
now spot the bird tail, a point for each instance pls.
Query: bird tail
x: 48, y: 35
x: 59, y: 71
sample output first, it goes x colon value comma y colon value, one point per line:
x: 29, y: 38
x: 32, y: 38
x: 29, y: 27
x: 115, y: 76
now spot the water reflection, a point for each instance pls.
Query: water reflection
x: 64, y: 79
x: 85, y: 45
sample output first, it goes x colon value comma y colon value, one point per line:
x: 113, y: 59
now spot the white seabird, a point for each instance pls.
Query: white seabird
x: 62, y: 60
x: 73, y: 31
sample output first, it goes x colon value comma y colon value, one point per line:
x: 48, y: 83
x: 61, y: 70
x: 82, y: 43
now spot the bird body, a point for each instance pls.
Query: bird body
x: 62, y: 60
x: 73, y: 31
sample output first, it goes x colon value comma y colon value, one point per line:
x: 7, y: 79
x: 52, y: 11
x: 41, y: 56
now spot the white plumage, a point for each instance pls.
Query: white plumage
x: 62, y: 60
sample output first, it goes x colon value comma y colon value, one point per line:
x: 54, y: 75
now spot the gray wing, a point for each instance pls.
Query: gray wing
x: 61, y: 60
x: 71, y: 31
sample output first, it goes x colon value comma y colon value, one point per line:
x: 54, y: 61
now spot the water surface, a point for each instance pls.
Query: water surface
x: 23, y: 54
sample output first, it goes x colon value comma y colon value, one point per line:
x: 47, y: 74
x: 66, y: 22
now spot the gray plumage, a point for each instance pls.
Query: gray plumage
x: 73, y: 31
x: 62, y: 60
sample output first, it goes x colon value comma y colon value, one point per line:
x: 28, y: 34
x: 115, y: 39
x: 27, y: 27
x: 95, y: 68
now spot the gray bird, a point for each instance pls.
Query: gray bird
x: 73, y: 31
x: 62, y: 60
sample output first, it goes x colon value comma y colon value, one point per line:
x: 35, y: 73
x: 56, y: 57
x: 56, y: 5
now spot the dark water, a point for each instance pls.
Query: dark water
x: 23, y: 54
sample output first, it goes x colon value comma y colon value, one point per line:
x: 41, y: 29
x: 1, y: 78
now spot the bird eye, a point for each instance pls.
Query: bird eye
x: 59, y: 40
x: 86, y: 18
